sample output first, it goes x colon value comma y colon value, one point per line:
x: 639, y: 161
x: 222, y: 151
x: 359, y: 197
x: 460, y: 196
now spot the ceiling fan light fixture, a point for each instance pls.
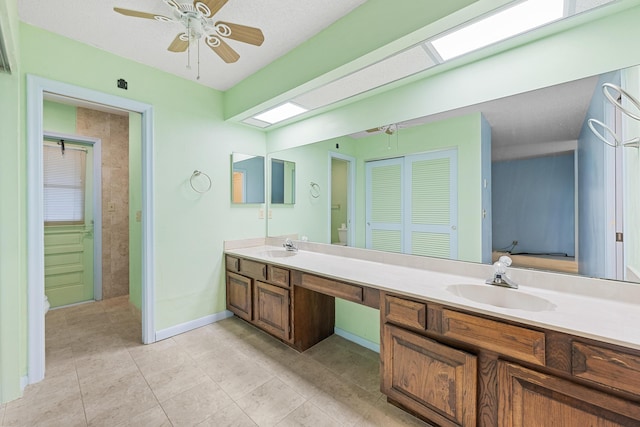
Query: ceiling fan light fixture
x: 280, y: 113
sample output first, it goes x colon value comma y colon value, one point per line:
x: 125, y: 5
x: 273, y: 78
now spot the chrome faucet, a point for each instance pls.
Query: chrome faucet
x: 500, y: 277
x: 289, y: 246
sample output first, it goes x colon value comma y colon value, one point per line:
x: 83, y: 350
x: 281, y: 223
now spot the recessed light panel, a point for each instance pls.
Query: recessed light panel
x: 280, y: 113
x: 507, y: 23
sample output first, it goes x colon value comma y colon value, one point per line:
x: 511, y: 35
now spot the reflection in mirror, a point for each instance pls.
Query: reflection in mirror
x: 531, y: 178
x: 283, y: 182
x: 247, y: 178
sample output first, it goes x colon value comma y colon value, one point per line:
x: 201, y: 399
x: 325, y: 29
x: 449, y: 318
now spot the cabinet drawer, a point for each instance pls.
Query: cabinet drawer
x: 606, y: 366
x: 510, y: 340
x: 331, y: 287
x: 404, y: 312
x: 233, y: 263
x: 278, y: 276
x: 257, y: 270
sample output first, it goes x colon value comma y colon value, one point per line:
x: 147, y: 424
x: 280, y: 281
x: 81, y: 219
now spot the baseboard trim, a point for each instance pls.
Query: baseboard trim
x: 356, y: 339
x: 193, y: 324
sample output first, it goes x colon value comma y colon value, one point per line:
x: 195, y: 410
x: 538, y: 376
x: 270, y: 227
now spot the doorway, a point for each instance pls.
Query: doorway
x: 37, y: 89
x: 342, y: 189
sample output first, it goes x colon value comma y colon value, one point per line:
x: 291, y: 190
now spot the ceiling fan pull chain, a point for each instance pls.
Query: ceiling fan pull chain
x: 198, y: 77
x: 189, y: 45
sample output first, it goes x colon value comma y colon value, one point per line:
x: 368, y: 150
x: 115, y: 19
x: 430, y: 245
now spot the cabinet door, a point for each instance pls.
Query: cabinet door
x: 432, y: 379
x: 531, y: 399
x: 271, y: 309
x: 239, y: 295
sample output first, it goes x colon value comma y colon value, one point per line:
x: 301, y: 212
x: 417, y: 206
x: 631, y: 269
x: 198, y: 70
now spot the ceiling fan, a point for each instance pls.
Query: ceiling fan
x: 197, y: 20
x: 388, y: 129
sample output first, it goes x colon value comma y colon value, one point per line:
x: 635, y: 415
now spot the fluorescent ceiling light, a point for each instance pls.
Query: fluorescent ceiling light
x: 507, y: 23
x: 280, y: 113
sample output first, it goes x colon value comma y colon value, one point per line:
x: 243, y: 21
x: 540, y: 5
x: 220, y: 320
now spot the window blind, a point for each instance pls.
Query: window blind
x: 64, y: 184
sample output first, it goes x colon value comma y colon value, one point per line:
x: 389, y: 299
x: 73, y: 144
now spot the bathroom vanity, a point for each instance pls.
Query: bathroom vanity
x: 447, y: 358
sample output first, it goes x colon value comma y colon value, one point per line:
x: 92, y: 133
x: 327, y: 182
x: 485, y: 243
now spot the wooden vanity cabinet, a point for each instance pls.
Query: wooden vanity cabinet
x: 456, y: 368
x: 264, y: 295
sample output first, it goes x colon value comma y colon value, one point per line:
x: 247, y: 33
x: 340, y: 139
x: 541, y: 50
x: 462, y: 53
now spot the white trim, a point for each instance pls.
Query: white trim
x: 192, y: 324
x: 351, y: 191
x: 97, y: 202
x: 24, y: 382
x: 36, y: 88
x: 356, y: 339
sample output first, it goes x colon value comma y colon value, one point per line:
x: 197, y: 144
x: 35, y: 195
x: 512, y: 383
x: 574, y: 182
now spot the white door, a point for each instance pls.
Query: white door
x: 411, y: 204
x: 431, y: 217
x: 384, y: 205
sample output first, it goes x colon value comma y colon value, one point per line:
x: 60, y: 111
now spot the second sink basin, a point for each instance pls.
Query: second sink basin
x: 501, y: 297
x: 277, y: 253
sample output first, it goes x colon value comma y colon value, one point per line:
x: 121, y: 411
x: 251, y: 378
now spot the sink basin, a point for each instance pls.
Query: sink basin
x: 501, y: 297
x: 277, y: 253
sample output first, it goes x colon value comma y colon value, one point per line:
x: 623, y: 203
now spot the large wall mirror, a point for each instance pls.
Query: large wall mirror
x: 247, y: 178
x: 524, y: 175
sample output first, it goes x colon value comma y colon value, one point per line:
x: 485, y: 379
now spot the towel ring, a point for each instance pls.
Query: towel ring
x: 635, y: 142
x: 617, y: 103
x: 196, y: 173
x: 314, y: 190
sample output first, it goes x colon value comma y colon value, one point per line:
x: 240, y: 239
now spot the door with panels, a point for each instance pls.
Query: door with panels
x: 412, y: 203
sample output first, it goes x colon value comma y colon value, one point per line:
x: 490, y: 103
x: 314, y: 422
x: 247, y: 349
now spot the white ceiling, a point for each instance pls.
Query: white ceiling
x: 539, y: 122
x: 284, y: 23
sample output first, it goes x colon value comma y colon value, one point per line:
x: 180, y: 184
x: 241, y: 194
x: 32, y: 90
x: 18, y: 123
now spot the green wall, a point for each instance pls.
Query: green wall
x: 12, y: 208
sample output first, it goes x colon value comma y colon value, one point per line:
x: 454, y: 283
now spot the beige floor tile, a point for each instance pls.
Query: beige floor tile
x: 345, y: 401
x: 270, y: 403
x: 384, y: 414
x: 154, y: 417
x: 111, y: 402
x: 140, y: 351
x: 172, y: 381
x: 59, y: 361
x: 105, y: 367
x: 162, y: 359
x: 236, y: 374
x: 196, y: 404
x: 305, y: 376
x: 198, y: 342
x: 67, y: 411
x: 229, y: 416
x: 308, y: 415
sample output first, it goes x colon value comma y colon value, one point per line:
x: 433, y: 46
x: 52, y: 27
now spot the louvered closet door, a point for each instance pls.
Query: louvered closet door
x: 431, y: 208
x: 384, y: 205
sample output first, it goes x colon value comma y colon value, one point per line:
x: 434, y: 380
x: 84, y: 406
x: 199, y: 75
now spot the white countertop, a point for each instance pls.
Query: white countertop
x: 602, y: 314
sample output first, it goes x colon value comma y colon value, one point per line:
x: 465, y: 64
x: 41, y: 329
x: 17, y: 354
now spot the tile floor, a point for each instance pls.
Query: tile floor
x: 224, y: 374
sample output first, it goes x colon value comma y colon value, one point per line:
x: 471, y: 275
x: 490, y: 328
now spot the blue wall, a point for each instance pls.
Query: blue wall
x: 594, y: 159
x: 534, y: 203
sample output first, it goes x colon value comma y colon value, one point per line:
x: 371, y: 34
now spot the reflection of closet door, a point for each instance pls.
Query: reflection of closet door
x: 412, y: 204
x: 384, y: 205
x: 431, y: 217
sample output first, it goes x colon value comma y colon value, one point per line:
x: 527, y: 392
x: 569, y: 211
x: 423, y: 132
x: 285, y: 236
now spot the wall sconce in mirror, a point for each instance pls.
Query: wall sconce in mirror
x: 283, y: 182
x: 247, y: 178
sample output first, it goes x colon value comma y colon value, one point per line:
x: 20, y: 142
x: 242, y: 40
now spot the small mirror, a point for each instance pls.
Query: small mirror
x: 283, y: 182
x: 247, y: 178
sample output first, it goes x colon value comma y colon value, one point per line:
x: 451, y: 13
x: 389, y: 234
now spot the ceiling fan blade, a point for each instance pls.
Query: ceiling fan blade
x: 179, y: 44
x: 241, y: 33
x: 213, y: 5
x: 137, y: 14
x: 378, y: 129
x: 222, y: 49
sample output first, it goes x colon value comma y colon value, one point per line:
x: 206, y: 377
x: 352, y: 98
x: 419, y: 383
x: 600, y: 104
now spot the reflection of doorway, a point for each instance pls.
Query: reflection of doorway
x: 239, y: 186
x: 36, y: 89
x: 342, y: 185
x: 73, y: 220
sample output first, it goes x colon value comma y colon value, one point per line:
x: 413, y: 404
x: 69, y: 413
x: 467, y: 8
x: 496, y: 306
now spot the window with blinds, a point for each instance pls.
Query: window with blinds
x: 64, y: 184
